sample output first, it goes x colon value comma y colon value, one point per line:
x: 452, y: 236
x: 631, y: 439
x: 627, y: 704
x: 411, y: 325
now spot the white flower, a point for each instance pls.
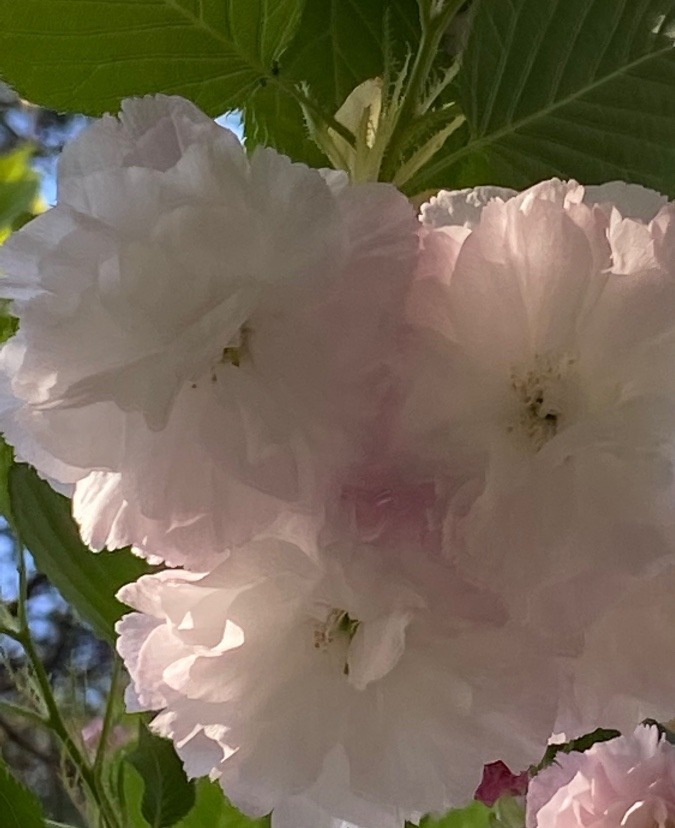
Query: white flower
x: 359, y: 682
x: 545, y: 327
x: 203, y: 336
x: 626, y: 672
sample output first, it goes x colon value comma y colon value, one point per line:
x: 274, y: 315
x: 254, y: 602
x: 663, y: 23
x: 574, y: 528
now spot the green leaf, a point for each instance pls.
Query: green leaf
x: 87, y: 580
x: 85, y: 55
x: 19, y: 807
x: 509, y: 812
x: 168, y: 794
x: 569, y: 88
x: 338, y: 45
x: 475, y: 815
x: 212, y: 809
x: 272, y: 118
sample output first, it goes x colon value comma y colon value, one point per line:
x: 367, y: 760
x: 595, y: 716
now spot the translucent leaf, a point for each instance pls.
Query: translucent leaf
x: 168, y: 795
x: 19, y: 185
x: 85, y: 55
x: 573, y: 88
x: 87, y: 580
x: 212, y: 809
x: 8, y: 324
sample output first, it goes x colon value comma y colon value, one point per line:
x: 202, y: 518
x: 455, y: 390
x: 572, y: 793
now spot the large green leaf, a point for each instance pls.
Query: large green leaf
x: 338, y: 44
x: 272, y: 118
x: 168, y: 795
x: 87, y: 580
x: 85, y: 55
x: 573, y: 88
x: 18, y: 806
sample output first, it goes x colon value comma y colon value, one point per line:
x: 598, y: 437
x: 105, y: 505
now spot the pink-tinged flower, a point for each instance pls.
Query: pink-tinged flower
x: 498, y: 780
x: 361, y: 682
x: 627, y: 782
x: 544, y: 328
x: 204, y: 336
x: 92, y: 731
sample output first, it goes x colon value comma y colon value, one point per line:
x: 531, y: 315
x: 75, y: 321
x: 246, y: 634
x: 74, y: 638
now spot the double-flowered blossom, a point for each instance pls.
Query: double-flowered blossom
x: 627, y: 782
x: 202, y: 334
x: 368, y: 682
x: 545, y: 340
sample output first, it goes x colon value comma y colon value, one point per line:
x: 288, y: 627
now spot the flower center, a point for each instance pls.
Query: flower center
x: 233, y: 354
x: 541, y: 388
x: 239, y: 348
x: 336, y: 632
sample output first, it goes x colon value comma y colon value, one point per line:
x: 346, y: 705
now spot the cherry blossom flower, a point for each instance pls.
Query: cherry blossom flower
x: 203, y: 335
x: 628, y: 781
x: 624, y: 672
x: 353, y: 681
x: 544, y: 327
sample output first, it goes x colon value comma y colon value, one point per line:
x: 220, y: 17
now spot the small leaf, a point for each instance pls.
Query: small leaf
x: 509, y: 812
x: 212, y: 809
x: 88, y: 580
x: 579, y: 745
x: 475, y: 815
x: 19, y: 185
x: 9, y: 324
x: 577, y: 89
x: 19, y: 807
x: 168, y: 794
x: 6, y: 462
x: 86, y: 55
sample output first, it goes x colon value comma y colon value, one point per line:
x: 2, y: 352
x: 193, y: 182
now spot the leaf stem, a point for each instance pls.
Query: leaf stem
x: 435, y: 17
x: 53, y: 719
x: 56, y: 723
x: 25, y: 712
x: 107, y: 719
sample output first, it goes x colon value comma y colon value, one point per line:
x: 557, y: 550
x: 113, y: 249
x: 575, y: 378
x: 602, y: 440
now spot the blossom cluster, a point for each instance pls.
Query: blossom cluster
x: 411, y: 476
